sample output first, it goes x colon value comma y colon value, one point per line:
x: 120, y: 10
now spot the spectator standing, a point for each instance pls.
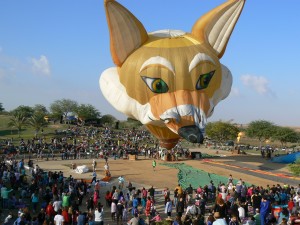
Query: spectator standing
x: 264, y: 209
x: 59, y: 219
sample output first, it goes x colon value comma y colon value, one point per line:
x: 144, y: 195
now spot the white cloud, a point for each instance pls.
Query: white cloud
x: 259, y: 84
x: 41, y: 65
x: 235, y: 92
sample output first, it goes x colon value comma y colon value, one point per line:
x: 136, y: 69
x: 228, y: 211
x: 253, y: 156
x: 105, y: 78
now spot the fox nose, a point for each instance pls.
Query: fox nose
x: 191, y: 133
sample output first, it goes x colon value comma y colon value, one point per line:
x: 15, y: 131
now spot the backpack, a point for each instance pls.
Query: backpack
x: 193, y: 210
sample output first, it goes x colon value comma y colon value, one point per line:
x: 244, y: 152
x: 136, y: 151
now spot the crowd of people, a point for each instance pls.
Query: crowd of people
x: 51, y: 198
x: 82, y: 143
x: 48, y: 197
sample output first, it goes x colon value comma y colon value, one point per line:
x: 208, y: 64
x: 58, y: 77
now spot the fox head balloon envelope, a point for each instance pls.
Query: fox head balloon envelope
x: 170, y: 80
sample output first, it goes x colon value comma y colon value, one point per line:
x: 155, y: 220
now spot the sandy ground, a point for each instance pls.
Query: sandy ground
x: 140, y: 171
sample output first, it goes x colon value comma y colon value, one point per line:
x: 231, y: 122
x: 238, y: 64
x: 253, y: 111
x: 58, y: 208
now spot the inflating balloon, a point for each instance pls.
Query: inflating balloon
x: 170, y: 80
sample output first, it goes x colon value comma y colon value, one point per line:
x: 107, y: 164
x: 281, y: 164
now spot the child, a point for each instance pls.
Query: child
x: 125, y: 212
x: 233, y: 220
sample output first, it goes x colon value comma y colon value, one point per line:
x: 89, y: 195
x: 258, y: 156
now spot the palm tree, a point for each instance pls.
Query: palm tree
x: 37, y: 122
x: 18, y: 120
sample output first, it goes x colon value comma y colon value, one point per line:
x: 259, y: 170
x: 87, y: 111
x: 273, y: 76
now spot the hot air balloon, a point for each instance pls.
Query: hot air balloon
x: 170, y: 80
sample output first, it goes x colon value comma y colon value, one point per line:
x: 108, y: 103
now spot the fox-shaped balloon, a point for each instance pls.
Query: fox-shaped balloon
x: 170, y: 80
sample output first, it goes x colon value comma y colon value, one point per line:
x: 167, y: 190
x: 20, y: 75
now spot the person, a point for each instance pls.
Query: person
x: 94, y: 175
x: 210, y: 219
x: 65, y: 214
x: 179, y: 189
x: 255, y: 200
x: 106, y: 166
x: 121, y: 182
x: 42, y: 216
x: 180, y: 207
x: 233, y: 220
x: 156, y: 218
x: 187, y: 220
x: 120, y: 208
x: 99, y: 215
x: 219, y: 220
x: 264, y: 209
x: 191, y: 209
x: 153, y: 164
x: 108, y: 198
x: 66, y: 200
x: 113, y: 210
x: 5, y: 196
x: 242, y: 213
x: 257, y: 216
x: 35, y: 201
x: 81, y: 218
x: 50, y: 211
x: 148, y: 206
x: 134, y: 220
x: 58, y: 218
x: 151, y: 192
x: 166, y: 194
x: 295, y: 218
x: 283, y: 214
x: 230, y: 179
x: 251, y: 221
x: 220, y: 207
x: 57, y: 204
x: 94, y: 164
x: 177, y: 221
x: 168, y: 207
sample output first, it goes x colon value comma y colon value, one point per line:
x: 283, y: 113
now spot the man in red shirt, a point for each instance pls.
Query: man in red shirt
x: 66, y: 216
x: 50, y: 213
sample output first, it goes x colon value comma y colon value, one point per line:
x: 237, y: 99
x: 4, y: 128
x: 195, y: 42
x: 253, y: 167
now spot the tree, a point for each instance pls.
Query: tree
x: 23, y: 110
x: 221, y: 131
x: 87, y: 111
x: 1, y: 107
x: 62, y: 107
x: 285, y: 134
x: 18, y: 120
x: 260, y: 129
x: 108, y: 119
x: 295, y: 167
x: 37, y: 122
x: 40, y: 109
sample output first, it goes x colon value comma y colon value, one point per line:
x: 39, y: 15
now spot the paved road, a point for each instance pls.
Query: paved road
x: 263, y: 172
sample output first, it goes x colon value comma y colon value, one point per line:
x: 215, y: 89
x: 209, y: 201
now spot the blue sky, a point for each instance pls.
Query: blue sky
x: 57, y: 49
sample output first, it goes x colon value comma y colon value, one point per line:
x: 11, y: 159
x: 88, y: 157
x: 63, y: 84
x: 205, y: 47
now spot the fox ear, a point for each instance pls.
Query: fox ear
x: 126, y: 32
x: 216, y: 26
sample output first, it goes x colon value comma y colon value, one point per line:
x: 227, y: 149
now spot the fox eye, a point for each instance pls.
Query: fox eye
x: 156, y: 85
x: 204, y: 80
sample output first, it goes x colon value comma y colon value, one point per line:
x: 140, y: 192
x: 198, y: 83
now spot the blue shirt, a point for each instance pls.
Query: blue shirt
x: 81, y: 219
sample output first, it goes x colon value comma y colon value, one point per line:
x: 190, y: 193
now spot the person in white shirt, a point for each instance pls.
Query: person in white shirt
x: 58, y: 218
x: 241, y: 212
x: 296, y: 200
x: 57, y: 205
x: 99, y: 215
